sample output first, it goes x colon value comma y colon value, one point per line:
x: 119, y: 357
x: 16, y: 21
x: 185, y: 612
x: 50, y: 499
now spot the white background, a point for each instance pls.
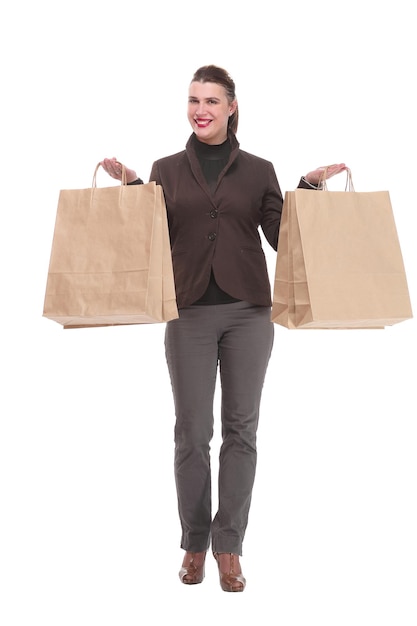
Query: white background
x: 88, y: 526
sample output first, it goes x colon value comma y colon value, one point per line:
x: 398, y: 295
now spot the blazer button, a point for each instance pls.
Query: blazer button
x: 213, y: 213
x: 212, y: 236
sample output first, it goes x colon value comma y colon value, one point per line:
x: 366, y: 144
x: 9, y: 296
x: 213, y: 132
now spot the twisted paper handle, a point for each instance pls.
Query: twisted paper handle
x: 349, y: 181
x: 123, y: 181
x: 122, y: 186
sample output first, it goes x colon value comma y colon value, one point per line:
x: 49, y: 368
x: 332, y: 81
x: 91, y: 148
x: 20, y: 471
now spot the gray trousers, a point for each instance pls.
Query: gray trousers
x: 237, y: 338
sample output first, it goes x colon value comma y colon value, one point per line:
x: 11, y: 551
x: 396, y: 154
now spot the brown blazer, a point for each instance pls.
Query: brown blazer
x: 219, y: 230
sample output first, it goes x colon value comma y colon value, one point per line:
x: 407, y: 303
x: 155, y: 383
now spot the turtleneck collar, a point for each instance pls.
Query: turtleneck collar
x: 211, y: 152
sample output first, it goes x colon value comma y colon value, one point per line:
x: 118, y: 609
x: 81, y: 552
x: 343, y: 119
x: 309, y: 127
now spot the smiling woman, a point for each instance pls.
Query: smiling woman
x: 212, y: 109
x: 217, y: 196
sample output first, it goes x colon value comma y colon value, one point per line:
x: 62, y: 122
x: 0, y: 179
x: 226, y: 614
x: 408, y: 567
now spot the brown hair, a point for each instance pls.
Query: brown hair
x: 214, y: 74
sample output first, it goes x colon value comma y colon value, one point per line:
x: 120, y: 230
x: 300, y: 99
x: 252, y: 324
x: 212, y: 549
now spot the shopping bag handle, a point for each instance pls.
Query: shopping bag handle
x: 123, y: 181
x: 122, y: 188
x: 349, y: 181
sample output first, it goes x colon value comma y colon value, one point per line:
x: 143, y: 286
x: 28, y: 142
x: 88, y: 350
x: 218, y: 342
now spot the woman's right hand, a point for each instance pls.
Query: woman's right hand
x: 113, y: 167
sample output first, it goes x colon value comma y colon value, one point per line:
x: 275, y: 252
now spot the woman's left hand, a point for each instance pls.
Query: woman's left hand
x: 323, y: 173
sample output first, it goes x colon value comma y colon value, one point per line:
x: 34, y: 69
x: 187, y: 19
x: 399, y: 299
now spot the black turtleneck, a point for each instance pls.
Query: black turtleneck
x: 212, y: 160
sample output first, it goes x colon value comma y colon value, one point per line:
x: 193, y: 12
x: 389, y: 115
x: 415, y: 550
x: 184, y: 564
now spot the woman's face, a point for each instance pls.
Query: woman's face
x: 208, y: 112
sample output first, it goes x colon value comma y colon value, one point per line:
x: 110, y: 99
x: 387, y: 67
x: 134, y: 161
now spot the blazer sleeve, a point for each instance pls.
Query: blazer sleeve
x: 272, y: 202
x: 272, y: 206
x: 304, y: 184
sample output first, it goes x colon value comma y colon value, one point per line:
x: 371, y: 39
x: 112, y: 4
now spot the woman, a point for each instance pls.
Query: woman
x: 216, y: 197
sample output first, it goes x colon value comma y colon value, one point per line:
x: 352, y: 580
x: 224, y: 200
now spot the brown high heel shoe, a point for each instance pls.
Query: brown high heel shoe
x: 231, y: 577
x: 192, y: 570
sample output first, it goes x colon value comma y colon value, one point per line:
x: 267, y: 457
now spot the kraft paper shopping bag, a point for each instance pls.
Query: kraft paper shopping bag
x: 339, y: 262
x: 110, y: 261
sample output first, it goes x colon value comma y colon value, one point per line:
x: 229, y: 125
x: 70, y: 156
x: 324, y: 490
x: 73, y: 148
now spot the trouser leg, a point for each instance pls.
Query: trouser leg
x: 192, y: 356
x: 244, y: 352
